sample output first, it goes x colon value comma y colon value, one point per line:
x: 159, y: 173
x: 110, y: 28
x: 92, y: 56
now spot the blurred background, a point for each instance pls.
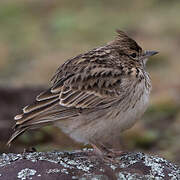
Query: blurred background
x: 36, y: 36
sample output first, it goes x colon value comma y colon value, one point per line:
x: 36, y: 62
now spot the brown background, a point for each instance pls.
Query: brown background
x: 36, y: 36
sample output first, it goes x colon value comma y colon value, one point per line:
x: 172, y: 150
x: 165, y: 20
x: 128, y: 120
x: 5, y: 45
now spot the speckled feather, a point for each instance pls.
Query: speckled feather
x: 88, y: 88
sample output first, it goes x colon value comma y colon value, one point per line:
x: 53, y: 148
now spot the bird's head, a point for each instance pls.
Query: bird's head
x: 129, y: 47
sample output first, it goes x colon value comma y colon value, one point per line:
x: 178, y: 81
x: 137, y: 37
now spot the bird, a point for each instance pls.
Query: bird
x: 94, y: 96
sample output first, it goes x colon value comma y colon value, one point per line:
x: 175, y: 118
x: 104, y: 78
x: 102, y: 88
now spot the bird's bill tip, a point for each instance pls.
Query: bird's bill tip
x: 150, y: 53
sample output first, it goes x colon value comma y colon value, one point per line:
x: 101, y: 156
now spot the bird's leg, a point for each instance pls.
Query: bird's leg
x: 113, y: 153
x: 99, y: 149
x: 96, y: 150
x: 104, y: 152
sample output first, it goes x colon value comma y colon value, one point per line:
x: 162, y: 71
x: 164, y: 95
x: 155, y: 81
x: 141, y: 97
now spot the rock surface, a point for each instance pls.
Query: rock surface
x: 84, y: 166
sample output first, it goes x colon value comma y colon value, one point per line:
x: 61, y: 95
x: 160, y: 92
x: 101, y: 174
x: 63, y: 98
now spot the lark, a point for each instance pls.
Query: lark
x: 94, y: 96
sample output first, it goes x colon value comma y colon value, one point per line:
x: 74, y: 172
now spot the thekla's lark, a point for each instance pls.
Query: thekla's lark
x: 94, y: 96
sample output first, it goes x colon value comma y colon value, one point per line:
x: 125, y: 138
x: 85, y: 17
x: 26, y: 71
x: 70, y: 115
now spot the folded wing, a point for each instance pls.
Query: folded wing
x: 79, y: 84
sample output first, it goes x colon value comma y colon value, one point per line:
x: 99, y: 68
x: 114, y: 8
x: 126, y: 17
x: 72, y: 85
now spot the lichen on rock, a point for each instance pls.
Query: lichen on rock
x: 84, y: 165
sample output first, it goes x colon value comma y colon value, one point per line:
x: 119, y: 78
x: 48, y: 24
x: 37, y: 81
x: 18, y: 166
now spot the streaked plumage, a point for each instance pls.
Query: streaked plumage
x: 95, y: 95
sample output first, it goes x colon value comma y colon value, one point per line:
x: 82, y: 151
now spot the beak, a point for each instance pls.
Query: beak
x: 150, y: 53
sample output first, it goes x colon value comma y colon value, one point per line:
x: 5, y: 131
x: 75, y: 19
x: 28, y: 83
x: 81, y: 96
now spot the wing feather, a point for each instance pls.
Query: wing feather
x: 46, y: 95
x: 87, y: 82
x: 39, y: 104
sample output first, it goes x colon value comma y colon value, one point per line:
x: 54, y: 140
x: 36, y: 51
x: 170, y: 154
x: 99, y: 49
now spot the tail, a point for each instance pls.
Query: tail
x: 44, y: 111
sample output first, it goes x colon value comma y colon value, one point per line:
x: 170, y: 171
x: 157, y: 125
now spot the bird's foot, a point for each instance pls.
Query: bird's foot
x: 113, y: 153
x: 107, y: 155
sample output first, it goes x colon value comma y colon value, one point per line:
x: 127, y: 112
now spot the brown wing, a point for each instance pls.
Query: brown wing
x: 90, y: 88
x: 91, y: 80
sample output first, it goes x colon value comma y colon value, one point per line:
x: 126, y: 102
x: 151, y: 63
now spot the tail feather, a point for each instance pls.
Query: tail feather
x: 46, y: 110
x: 21, y: 129
x: 15, y: 135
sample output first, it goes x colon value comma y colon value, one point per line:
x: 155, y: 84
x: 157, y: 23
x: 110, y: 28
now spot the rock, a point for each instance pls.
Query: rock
x: 84, y: 165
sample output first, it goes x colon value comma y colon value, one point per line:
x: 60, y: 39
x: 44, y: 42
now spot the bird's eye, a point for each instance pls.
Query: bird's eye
x: 133, y: 55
